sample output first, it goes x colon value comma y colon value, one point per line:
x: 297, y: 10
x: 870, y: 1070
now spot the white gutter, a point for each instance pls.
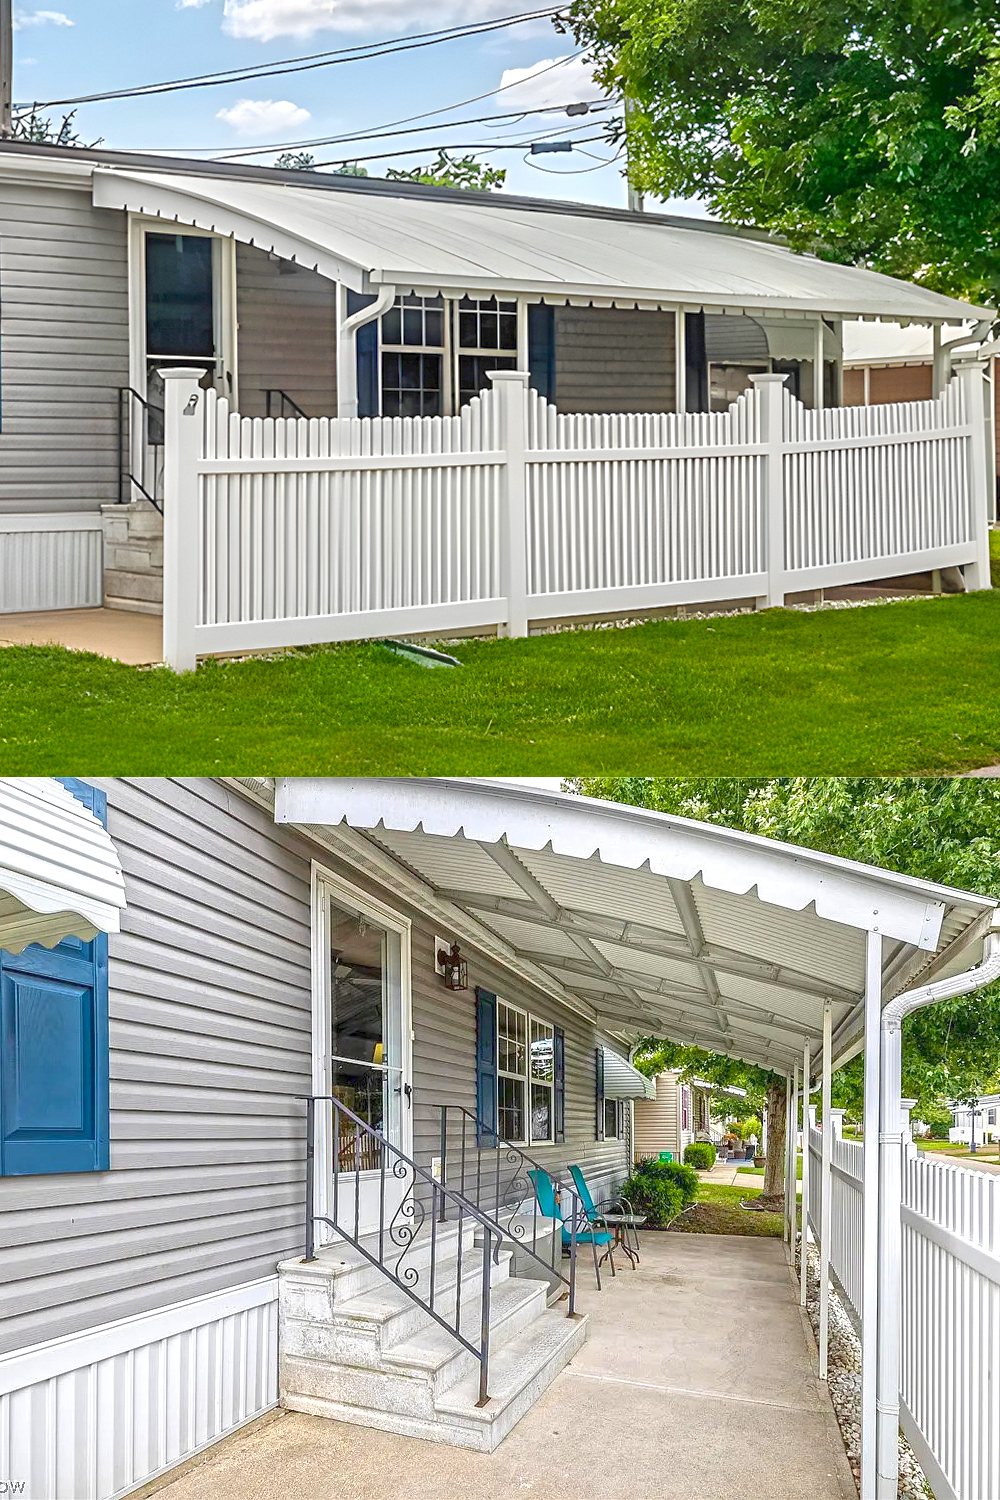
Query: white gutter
x: 890, y: 1195
x: 347, y: 344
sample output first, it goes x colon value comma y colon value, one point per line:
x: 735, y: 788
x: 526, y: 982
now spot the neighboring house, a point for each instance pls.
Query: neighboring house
x: 987, y: 1121
x: 679, y: 1114
x: 318, y: 295
x: 446, y: 977
x: 886, y: 362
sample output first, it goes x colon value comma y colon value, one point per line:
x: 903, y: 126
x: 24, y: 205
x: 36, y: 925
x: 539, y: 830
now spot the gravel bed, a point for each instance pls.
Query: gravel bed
x: 844, y: 1380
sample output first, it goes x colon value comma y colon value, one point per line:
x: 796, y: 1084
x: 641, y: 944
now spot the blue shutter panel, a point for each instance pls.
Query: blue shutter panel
x: 486, y: 1068
x: 559, y: 1070
x: 54, y: 1050
x: 599, y: 1092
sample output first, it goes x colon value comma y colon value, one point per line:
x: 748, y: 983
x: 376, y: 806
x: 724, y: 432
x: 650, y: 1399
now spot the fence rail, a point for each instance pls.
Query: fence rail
x: 950, y: 1324
x: 309, y: 530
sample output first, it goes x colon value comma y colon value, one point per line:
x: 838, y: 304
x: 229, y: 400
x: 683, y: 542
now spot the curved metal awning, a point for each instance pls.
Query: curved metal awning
x: 622, y: 1081
x: 59, y: 873
x: 650, y: 924
x: 369, y: 234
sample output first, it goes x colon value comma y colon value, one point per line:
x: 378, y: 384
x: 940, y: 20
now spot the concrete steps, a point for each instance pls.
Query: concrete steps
x: 356, y: 1347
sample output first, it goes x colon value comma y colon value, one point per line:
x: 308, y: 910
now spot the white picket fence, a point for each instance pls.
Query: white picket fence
x: 950, y: 1323
x: 294, y: 531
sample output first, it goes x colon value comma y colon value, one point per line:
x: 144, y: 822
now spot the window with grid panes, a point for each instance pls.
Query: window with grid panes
x: 487, y: 340
x: 542, y: 1081
x: 512, y: 1072
x: 412, y: 340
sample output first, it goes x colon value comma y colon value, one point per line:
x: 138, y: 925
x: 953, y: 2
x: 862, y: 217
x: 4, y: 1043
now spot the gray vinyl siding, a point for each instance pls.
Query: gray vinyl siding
x: 613, y: 359
x: 63, y: 348
x: 287, y: 339
x: 210, y: 1055
x: 210, y: 1040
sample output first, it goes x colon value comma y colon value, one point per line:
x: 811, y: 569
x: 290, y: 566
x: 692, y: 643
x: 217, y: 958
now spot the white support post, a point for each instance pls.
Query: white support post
x: 826, y: 1193
x: 906, y: 1126
x: 680, y: 359
x: 938, y: 376
x: 819, y: 366
x: 6, y: 67
x: 804, y: 1240
x: 793, y: 1114
x: 770, y: 401
x: 870, y: 1219
x: 982, y: 469
x: 184, y: 404
x: 890, y: 1258
x: 510, y: 389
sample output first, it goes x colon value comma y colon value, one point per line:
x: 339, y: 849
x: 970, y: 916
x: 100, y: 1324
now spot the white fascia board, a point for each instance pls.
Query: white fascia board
x: 46, y: 172
x: 782, y: 875
x: 154, y: 200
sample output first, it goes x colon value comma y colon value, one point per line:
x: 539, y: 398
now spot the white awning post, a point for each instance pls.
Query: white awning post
x: 510, y: 389
x: 939, y: 366
x: 793, y: 1114
x: 826, y: 1194
x: 769, y: 395
x: 806, y: 1111
x: 870, y: 1218
x: 680, y: 360
x: 889, y: 1261
x: 184, y: 405
x: 819, y: 353
x: 982, y: 468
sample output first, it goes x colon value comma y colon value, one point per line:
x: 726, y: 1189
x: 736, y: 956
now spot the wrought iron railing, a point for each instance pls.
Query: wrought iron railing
x: 408, y: 1222
x: 140, y: 448
x: 283, y: 402
x: 492, y: 1174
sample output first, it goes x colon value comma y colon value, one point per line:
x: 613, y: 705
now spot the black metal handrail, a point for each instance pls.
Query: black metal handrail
x: 132, y: 454
x: 360, y: 1148
x: 284, y: 399
x: 505, y: 1183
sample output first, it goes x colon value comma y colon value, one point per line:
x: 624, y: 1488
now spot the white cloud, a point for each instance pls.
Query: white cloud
x: 263, y: 20
x: 259, y: 117
x: 190, y: 4
x: 543, y: 84
x: 41, y: 18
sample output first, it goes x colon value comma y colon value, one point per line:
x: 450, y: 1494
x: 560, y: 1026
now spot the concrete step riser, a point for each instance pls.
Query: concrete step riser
x: 339, y: 1273
x: 355, y: 1339
x: 462, y: 1362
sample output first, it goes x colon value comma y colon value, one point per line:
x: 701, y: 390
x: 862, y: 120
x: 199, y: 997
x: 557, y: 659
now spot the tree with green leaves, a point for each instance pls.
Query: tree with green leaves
x: 454, y: 172
x: 941, y: 829
x: 867, y: 130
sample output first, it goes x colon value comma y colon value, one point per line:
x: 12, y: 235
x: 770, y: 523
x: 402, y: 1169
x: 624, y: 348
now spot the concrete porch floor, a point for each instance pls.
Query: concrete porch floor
x: 697, y: 1383
x: 132, y: 638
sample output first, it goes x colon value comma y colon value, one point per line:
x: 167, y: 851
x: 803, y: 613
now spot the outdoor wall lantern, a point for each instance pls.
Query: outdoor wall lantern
x: 454, y: 967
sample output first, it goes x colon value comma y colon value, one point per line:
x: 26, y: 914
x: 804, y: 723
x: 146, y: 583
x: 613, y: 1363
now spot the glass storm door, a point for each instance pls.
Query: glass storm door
x: 366, y: 1063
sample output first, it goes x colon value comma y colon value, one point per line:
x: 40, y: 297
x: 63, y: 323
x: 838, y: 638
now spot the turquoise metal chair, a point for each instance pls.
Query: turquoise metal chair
x: 620, y: 1217
x: 586, y: 1231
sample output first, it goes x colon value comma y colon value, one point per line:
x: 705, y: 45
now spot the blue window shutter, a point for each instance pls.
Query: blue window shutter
x: 54, y: 1049
x: 486, y: 1068
x: 542, y: 349
x: 599, y: 1092
x: 559, y: 1073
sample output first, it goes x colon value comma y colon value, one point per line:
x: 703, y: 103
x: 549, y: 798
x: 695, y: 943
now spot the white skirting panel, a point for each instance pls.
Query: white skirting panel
x: 51, y: 562
x: 94, y: 1415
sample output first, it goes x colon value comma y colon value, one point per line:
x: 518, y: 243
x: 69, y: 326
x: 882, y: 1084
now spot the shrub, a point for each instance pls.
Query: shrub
x: 700, y: 1154
x: 654, y: 1193
x: 685, y: 1178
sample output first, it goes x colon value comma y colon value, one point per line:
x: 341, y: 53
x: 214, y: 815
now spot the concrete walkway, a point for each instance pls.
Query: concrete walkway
x: 697, y: 1383
x: 134, y: 639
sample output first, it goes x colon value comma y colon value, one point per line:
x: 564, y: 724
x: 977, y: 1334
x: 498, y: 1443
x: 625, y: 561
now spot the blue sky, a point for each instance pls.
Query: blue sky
x: 90, y: 46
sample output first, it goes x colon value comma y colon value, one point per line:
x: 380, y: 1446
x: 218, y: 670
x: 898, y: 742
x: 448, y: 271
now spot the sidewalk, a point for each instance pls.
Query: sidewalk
x: 697, y: 1383
x: 134, y: 639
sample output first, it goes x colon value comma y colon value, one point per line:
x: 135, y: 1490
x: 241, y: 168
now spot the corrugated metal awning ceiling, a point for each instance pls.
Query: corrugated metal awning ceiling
x: 652, y: 924
x: 59, y: 872
x: 470, y: 243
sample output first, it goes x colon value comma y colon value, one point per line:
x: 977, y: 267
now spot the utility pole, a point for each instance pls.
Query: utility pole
x: 6, y: 69
x: 634, y: 196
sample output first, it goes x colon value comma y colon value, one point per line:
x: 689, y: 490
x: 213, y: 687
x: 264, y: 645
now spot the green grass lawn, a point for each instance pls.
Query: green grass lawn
x: 717, y: 1211
x: 903, y: 687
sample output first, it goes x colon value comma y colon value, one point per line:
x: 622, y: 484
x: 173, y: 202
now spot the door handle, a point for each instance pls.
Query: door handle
x: 409, y: 1094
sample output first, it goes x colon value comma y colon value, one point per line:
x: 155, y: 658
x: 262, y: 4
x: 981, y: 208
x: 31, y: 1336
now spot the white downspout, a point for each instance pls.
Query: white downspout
x: 805, y: 1175
x: 890, y: 1194
x: 347, y: 344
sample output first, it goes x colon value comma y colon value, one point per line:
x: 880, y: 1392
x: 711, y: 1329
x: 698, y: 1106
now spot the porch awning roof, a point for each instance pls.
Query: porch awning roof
x: 649, y: 924
x: 59, y: 872
x: 622, y: 1081
x: 369, y: 234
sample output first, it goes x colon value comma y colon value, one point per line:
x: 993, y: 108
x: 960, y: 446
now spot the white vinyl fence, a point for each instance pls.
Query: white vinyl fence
x: 293, y: 531
x: 950, y: 1324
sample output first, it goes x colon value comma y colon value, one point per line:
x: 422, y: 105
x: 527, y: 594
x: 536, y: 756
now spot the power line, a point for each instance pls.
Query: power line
x: 377, y: 134
x: 303, y: 64
x: 484, y: 146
